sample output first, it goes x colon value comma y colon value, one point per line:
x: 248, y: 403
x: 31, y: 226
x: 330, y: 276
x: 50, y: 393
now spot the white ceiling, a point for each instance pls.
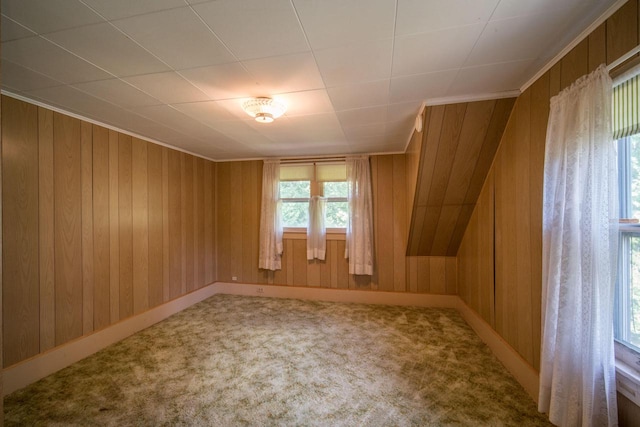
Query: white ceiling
x: 353, y: 73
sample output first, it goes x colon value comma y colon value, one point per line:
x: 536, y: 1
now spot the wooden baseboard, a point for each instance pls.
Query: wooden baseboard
x: 523, y: 372
x: 37, y: 367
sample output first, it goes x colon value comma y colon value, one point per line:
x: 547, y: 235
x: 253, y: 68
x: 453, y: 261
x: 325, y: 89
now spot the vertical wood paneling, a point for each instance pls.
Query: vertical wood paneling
x: 46, y: 229
x: 140, y: 224
x: 597, y: 47
x: 399, y: 224
x: 236, y: 203
x: 114, y: 229
x: 155, y: 221
x: 86, y: 141
x: 187, y: 223
x: 385, y: 229
x: 622, y: 31
x: 125, y: 212
x: 299, y: 257
x: 68, y: 227
x: 574, y: 64
x: 198, y: 226
x: 209, y: 222
x: 175, y: 224
x: 250, y: 197
x: 20, y: 231
x: 101, y: 229
x: 166, y: 253
x: 223, y: 232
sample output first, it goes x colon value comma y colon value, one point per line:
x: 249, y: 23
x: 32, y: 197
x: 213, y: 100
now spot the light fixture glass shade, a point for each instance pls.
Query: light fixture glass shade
x: 264, y: 110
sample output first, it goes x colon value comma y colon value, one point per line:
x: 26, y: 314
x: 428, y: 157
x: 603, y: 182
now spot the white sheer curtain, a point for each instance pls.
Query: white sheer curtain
x: 580, y: 244
x: 316, y: 230
x: 270, y: 225
x: 359, y: 247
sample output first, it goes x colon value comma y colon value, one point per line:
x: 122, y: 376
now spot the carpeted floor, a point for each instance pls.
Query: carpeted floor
x: 233, y: 360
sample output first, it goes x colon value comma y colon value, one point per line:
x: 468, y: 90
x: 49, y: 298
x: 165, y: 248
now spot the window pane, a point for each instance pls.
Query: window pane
x: 634, y: 170
x: 630, y: 296
x: 337, y: 215
x: 295, y: 214
x: 336, y: 189
x: 295, y: 189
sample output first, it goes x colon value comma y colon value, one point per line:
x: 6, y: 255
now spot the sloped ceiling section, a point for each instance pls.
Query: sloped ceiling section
x: 458, y: 145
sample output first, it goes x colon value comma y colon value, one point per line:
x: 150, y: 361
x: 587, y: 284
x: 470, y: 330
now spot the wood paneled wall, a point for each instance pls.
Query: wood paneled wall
x: 457, y: 149
x: 238, y: 200
x: 98, y: 226
x: 506, y: 227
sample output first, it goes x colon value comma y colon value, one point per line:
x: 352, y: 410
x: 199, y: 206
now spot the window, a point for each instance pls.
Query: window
x: 626, y: 130
x: 299, y: 182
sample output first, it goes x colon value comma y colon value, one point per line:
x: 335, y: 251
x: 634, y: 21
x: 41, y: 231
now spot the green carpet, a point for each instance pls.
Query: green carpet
x: 233, y: 360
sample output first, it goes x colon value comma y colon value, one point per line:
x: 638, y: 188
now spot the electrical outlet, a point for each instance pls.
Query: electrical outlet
x: 260, y: 290
x: 234, y: 278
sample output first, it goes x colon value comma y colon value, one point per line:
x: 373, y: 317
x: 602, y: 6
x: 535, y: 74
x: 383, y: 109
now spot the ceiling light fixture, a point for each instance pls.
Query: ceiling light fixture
x: 264, y: 110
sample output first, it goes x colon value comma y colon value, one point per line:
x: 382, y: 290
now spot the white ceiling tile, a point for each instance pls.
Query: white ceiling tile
x: 421, y: 86
x: 170, y: 117
x: 117, y: 92
x: 108, y: 48
x: 492, y: 78
x: 17, y: 77
x: 333, y: 23
x: 255, y: 28
x: 288, y: 73
x: 307, y: 102
x: 168, y: 87
x: 362, y: 116
x: 223, y: 81
x: 208, y: 112
x: 240, y: 131
x: 512, y: 8
x: 362, y: 95
x: 400, y: 127
x: 419, y: 16
x: 373, y: 129
x: 423, y: 53
x: 523, y: 37
x: 51, y: 15
x: 315, y: 122
x: 11, y: 30
x: 355, y: 63
x: 403, y: 111
x: 117, y: 9
x: 178, y: 37
x: 46, y: 58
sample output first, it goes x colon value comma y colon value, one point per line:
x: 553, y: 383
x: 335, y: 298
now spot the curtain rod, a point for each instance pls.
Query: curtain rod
x: 623, y: 58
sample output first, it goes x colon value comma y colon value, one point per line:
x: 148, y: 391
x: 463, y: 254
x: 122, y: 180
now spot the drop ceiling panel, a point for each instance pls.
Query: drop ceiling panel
x: 423, y: 53
x: 490, y: 78
x: 51, y: 15
x: 168, y: 87
x: 208, y: 112
x: 224, y: 81
x: 11, y: 30
x: 307, y: 102
x: 363, y: 116
x: 288, y: 73
x: 44, y: 57
x: 178, y: 37
x: 255, y: 28
x: 117, y: 9
x: 512, y: 8
x: 355, y: 63
x: 23, y: 79
x: 421, y: 86
x: 418, y: 16
x: 403, y: 111
x: 109, y: 49
x: 118, y: 92
x: 360, y: 95
x: 334, y: 23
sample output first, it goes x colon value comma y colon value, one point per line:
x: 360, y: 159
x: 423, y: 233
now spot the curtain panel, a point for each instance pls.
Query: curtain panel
x: 359, y: 245
x: 270, y: 254
x: 580, y: 245
x: 316, y: 229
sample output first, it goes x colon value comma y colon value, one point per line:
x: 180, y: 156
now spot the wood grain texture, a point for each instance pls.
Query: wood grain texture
x: 88, y: 278
x: 175, y: 224
x: 622, y: 31
x: 125, y: 216
x: 68, y: 227
x: 187, y: 223
x: 198, y: 226
x: 597, y: 47
x: 101, y: 229
x: 21, y: 293
x: 155, y: 221
x: 223, y: 220
x: 46, y: 229
x: 140, y: 224
x: 114, y: 229
x: 166, y: 270
x: 209, y: 222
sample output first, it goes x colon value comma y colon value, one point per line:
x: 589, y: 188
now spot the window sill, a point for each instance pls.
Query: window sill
x: 628, y: 372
